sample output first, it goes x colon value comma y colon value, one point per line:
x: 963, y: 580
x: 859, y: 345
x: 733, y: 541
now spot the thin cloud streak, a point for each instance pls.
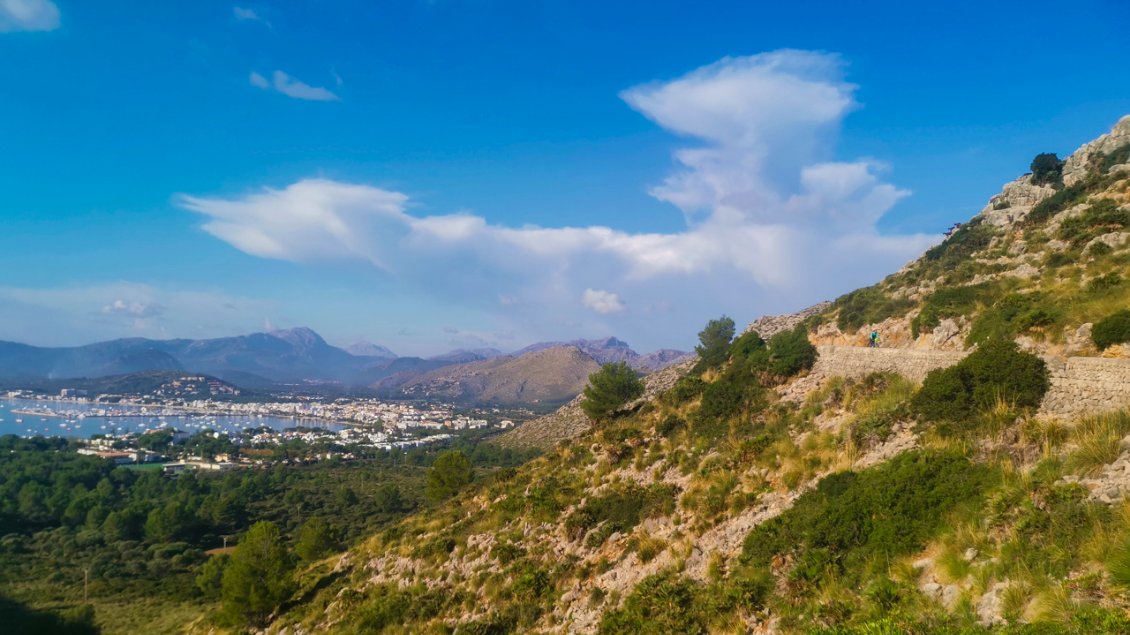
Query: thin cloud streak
x: 28, y: 15
x: 284, y: 84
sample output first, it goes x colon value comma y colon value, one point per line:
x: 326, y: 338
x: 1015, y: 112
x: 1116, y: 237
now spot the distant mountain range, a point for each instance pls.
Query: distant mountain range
x: 265, y: 361
x: 611, y: 349
x: 540, y: 378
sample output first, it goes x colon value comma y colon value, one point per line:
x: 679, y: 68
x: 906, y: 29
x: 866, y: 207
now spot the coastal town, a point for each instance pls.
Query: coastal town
x: 218, y: 433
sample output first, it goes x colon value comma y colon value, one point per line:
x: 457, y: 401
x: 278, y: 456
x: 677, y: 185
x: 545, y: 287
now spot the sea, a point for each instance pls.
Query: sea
x: 67, y: 421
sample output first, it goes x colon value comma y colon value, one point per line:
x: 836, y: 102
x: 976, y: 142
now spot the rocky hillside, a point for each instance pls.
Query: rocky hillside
x: 546, y: 377
x: 1041, y: 263
x: 772, y: 492
x: 611, y: 349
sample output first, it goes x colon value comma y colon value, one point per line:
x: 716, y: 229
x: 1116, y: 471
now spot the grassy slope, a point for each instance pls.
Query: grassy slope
x: 704, y: 512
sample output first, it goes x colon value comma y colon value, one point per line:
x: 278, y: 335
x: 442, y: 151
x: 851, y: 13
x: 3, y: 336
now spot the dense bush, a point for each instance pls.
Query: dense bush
x: 1104, y: 283
x: 609, y: 389
x: 670, y: 603
x: 684, y: 390
x: 1111, y: 330
x: 620, y: 510
x: 661, y: 604
x: 390, y: 605
x: 790, y: 352
x: 1013, y: 314
x: 868, y: 306
x: 948, y: 302
x: 851, y: 520
x: 997, y: 371
x: 18, y: 618
x: 452, y: 472
x: 1047, y: 169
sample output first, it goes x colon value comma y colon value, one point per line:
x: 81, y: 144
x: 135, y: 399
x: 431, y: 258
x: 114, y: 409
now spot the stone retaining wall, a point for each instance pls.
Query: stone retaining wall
x: 1079, y: 385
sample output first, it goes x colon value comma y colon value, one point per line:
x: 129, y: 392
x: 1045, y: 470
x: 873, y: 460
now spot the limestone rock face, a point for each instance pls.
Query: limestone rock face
x: 1014, y: 202
x: 1075, y: 167
x: 944, y: 334
x: 1113, y: 240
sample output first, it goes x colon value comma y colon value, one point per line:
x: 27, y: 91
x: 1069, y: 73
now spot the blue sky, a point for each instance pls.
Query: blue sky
x: 432, y: 175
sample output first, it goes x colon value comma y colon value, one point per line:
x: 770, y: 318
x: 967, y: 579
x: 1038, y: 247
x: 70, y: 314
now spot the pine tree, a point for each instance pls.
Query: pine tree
x: 259, y: 576
x: 609, y: 389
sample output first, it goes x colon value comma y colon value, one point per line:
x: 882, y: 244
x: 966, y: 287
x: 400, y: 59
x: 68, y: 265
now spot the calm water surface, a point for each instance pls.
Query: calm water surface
x: 71, y: 425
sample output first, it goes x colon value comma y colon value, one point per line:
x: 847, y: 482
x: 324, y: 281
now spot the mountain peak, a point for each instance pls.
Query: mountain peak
x: 364, y: 348
x: 299, y: 336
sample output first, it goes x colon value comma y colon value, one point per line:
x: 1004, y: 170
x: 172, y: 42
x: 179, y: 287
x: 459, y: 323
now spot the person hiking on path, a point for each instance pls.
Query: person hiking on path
x: 874, y: 339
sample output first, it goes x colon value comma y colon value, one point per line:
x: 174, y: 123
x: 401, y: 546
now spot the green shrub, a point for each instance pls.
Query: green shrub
x: 1056, y: 203
x: 1047, y: 169
x: 852, y: 519
x: 1057, y: 259
x: 1105, y: 282
x: 659, y: 605
x: 1111, y: 330
x: 620, y: 510
x: 748, y: 346
x: 450, y: 473
x: 669, y: 425
x: 669, y: 603
x: 790, y: 352
x: 390, y: 606
x: 873, y: 428
x: 609, y: 389
x: 1013, y: 314
x: 721, y: 400
x: 868, y: 306
x: 997, y: 371
x: 1104, y: 216
x: 684, y: 390
x: 948, y: 302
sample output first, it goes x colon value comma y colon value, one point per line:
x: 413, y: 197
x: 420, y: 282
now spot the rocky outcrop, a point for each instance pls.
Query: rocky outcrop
x: 769, y: 325
x: 1014, y: 202
x: 1075, y: 166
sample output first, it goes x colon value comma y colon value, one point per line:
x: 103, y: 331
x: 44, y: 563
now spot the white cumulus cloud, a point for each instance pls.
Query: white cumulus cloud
x: 28, y: 15
x: 603, y: 302
x: 774, y: 219
x: 282, y: 83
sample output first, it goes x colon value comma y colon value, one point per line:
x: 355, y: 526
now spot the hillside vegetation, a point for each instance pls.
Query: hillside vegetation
x: 1045, y: 263
x: 870, y: 505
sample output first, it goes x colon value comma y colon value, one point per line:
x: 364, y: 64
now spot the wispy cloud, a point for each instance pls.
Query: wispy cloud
x: 291, y: 87
x: 243, y: 13
x: 773, y: 219
x: 133, y: 308
x: 603, y: 302
x: 28, y: 15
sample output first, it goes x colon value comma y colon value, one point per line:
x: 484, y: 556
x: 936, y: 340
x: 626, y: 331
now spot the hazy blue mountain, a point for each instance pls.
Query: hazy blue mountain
x: 369, y: 349
x: 288, y: 356
x: 466, y: 355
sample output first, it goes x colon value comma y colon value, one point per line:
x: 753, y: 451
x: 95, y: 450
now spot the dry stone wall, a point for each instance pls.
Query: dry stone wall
x: 1079, y: 385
